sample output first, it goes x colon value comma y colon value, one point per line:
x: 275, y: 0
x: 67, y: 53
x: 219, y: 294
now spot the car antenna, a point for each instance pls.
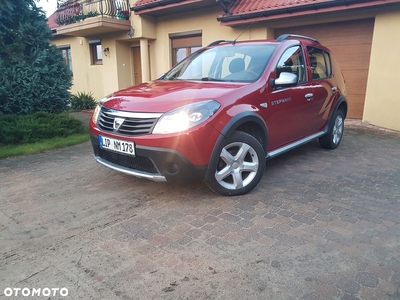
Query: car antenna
x: 247, y: 28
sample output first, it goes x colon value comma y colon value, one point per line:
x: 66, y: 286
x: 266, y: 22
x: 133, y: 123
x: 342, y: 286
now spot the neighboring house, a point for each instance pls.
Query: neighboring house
x: 107, y: 52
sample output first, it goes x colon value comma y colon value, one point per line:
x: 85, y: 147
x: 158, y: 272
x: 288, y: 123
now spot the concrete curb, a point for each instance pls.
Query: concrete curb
x: 359, y: 124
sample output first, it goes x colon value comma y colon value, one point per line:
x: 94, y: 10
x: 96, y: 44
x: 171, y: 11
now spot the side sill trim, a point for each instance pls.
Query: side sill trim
x: 140, y: 174
x: 294, y: 145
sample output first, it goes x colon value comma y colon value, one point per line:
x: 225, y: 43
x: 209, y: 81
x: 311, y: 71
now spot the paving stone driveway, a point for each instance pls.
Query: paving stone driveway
x: 320, y: 225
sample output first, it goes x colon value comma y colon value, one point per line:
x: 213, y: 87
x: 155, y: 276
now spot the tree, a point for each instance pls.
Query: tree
x: 33, y: 73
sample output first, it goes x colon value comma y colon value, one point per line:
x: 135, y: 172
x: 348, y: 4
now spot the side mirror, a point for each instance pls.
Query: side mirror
x: 286, y: 79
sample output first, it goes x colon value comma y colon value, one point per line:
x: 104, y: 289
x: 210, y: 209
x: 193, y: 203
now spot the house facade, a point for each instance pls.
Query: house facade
x: 113, y: 44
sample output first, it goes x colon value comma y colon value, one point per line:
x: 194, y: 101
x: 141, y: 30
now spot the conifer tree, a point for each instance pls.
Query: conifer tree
x: 33, y: 73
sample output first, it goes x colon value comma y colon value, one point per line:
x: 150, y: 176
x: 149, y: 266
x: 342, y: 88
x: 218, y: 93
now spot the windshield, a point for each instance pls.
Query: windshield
x: 231, y: 63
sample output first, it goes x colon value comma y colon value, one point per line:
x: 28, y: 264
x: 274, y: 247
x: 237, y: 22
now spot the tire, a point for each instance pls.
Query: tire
x: 239, y: 167
x: 334, y: 136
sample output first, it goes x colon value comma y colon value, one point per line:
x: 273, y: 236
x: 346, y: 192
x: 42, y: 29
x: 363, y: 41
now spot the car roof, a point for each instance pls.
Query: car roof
x: 281, y: 39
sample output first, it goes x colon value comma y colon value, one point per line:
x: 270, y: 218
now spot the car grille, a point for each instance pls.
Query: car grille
x: 131, y: 126
x: 139, y: 163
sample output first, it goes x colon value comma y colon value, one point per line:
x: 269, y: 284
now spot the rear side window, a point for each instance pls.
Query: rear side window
x: 320, y: 63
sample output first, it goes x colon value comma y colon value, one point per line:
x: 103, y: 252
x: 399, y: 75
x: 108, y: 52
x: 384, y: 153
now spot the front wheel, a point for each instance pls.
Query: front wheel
x: 334, y: 136
x: 240, y: 165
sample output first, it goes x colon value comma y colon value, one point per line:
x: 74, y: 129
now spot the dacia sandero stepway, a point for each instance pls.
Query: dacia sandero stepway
x: 221, y: 112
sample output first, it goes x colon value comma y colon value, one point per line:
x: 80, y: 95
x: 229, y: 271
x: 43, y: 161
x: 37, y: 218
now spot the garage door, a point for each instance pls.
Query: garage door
x: 350, y: 42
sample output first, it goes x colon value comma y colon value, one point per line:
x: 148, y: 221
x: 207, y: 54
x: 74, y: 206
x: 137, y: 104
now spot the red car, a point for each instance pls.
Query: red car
x: 222, y: 111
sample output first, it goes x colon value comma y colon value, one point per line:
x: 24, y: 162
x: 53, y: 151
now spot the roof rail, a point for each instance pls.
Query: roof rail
x: 221, y: 41
x: 286, y: 36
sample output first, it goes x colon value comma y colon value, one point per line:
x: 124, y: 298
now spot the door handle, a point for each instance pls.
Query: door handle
x: 309, y: 96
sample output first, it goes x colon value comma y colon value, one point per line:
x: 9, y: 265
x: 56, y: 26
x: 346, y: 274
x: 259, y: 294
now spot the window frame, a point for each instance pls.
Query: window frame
x: 94, y: 57
x: 67, y: 55
x: 305, y: 75
x: 190, y: 42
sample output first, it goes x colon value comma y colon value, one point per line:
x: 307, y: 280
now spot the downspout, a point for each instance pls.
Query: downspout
x: 221, y: 3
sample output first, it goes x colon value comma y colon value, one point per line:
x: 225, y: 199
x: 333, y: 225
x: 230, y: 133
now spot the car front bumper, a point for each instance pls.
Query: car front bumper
x: 157, y: 164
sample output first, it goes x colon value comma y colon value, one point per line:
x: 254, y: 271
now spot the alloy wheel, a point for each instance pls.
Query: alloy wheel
x: 237, y: 166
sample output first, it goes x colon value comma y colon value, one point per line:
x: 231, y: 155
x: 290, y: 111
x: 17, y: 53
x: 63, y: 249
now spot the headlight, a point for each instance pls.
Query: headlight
x: 185, y: 117
x: 98, y: 108
x: 96, y: 113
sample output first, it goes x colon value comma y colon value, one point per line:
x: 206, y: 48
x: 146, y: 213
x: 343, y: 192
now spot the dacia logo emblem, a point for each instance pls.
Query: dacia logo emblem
x: 117, y: 123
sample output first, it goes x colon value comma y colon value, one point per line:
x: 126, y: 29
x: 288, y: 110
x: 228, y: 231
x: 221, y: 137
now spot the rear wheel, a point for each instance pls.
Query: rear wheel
x: 334, y: 136
x: 240, y: 165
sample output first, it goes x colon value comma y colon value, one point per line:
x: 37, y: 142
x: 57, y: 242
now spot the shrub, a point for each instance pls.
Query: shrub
x: 82, y: 101
x: 38, y: 85
x: 37, y: 126
x: 33, y: 73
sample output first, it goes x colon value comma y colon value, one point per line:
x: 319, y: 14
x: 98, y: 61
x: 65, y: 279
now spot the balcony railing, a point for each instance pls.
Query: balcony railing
x: 72, y: 11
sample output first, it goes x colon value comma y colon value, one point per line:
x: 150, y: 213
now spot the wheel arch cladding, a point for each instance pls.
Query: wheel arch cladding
x: 251, y: 123
x: 248, y: 122
x: 342, y: 105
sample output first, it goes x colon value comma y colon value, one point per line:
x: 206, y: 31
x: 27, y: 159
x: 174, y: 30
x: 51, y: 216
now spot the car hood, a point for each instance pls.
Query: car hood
x: 162, y: 96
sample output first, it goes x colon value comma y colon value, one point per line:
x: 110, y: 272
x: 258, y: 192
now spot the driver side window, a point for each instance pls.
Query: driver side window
x: 292, y: 61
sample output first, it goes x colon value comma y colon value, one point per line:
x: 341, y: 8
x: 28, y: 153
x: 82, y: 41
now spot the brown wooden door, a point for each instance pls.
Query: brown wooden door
x: 350, y: 43
x: 137, y: 66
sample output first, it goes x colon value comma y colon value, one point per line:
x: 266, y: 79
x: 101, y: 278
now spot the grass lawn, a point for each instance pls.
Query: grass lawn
x: 48, y: 144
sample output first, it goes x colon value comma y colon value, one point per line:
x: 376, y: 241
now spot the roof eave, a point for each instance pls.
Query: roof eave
x: 300, y: 10
x: 152, y: 6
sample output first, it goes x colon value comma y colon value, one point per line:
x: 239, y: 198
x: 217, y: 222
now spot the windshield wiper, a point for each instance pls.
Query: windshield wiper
x: 172, y: 78
x: 211, y: 79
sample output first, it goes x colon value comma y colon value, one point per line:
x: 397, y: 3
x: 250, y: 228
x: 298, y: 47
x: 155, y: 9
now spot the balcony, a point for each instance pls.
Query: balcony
x: 92, y: 17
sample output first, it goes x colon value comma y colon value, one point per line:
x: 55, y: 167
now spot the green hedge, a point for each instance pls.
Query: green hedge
x: 17, y: 129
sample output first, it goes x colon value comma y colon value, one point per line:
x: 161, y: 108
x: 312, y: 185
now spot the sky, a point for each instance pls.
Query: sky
x: 49, y: 6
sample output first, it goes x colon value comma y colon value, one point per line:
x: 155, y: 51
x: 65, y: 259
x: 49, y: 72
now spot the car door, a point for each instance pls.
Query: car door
x: 289, y: 105
x: 324, y: 88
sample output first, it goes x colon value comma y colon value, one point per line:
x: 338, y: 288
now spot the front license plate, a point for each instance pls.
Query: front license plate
x: 117, y: 145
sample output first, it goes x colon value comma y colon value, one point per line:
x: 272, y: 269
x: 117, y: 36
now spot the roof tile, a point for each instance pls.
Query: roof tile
x: 142, y: 2
x: 243, y: 11
x: 249, y: 6
x: 246, y: 6
x: 51, y: 21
